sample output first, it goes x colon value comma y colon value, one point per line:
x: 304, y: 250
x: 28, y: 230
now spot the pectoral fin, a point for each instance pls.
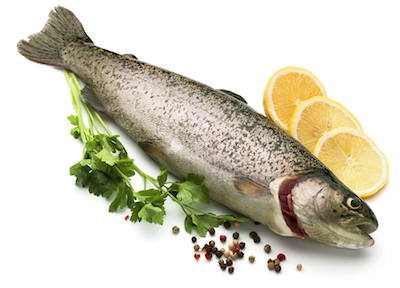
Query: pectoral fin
x: 250, y: 188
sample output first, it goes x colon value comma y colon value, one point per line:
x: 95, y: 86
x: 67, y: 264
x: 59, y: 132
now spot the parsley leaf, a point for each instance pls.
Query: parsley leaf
x: 191, y: 190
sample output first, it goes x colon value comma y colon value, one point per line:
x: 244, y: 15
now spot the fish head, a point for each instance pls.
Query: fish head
x: 327, y: 211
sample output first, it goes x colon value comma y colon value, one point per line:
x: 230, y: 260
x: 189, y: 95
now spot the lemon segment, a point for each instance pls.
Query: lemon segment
x: 316, y: 116
x: 355, y: 159
x: 286, y: 89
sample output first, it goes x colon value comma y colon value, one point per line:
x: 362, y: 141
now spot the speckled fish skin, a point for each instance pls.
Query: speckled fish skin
x: 190, y: 127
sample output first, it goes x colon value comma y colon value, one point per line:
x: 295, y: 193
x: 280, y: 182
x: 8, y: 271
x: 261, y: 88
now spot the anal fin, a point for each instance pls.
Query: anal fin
x: 153, y: 149
x: 90, y: 98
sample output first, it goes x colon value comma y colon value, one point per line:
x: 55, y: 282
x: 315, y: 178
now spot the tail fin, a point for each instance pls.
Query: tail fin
x: 46, y: 46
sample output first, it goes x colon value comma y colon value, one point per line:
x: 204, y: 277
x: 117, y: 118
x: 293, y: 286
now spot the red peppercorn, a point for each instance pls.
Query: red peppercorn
x: 236, y: 249
x: 222, y: 238
x: 208, y: 255
x: 196, y: 256
x: 229, y: 262
x: 281, y: 257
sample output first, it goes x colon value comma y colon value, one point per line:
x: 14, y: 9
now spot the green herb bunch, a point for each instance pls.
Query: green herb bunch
x: 105, y: 169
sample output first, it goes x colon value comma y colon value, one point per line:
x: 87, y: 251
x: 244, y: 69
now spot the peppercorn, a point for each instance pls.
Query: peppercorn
x: 208, y: 248
x: 277, y: 262
x: 214, y: 250
x: 175, y: 229
x: 222, y: 238
x: 253, y: 234
x: 271, y: 265
x: 231, y: 269
x: 234, y: 256
x: 242, y: 245
x: 218, y: 254
x: 227, y: 253
x: 229, y: 262
x: 278, y: 268
x: 256, y: 239
x: 267, y: 248
x: 194, y: 239
x: 230, y: 246
x: 208, y: 255
x: 237, y: 224
x: 281, y: 257
x: 222, y: 250
x: 211, y: 231
x: 235, y: 235
x: 212, y: 243
x: 299, y: 267
x: 222, y: 265
x: 227, y: 224
x: 252, y: 258
x: 240, y: 254
x: 196, y: 247
x: 256, y: 223
x: 236, y: 249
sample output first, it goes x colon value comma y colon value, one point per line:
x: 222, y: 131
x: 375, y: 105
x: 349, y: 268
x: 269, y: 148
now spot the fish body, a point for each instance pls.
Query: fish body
x: 248, y: 162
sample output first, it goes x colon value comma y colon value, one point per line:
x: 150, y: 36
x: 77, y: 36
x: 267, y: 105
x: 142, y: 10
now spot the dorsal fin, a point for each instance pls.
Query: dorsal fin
x: 234, y: 95
x: 130, y: 56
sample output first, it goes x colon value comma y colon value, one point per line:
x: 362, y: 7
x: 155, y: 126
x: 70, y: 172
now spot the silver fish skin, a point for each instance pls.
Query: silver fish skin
x: 249, y: 163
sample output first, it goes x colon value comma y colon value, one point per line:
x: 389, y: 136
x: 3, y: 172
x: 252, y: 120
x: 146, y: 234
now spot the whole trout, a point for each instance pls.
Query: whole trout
x: 249, y: 163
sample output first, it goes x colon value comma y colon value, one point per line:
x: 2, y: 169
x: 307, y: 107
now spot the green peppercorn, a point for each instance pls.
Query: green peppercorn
x: 234, y: 256
x: 277, y: 262
x: 271, y: 265
x: 175, y: 229
x: 196, y: 247
x: 267, y: 248
x: 252, y: 258
x: 220, y: 261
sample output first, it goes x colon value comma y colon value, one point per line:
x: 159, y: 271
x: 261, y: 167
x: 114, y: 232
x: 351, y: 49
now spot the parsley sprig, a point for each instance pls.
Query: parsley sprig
x: 105, y: 169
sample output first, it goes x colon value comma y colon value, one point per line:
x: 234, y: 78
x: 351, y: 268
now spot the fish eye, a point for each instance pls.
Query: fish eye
x: 353, y: 203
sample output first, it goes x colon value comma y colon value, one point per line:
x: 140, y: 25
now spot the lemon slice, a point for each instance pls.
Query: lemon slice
x: 355, y: 159
x: 316, y: 116
x: 286, y: 89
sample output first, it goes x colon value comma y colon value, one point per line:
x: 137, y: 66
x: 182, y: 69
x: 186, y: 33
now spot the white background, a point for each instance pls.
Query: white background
x: 53, y: 234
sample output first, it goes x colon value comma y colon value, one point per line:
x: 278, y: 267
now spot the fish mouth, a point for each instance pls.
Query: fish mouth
x: 357, y: 231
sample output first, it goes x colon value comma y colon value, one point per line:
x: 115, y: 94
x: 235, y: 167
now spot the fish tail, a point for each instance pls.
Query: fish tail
x: 46, y: 46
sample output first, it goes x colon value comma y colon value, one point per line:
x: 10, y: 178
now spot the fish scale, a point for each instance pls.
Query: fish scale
x: 249, y: 164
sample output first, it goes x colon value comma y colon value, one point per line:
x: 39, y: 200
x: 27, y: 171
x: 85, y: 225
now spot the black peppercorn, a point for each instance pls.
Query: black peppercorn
x: 227, y: 224
x: 211, y: 231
